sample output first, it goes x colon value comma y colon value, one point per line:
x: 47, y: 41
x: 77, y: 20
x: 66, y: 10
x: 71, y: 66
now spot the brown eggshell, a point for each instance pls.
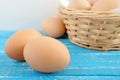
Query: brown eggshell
x: 53, y: 27
x: 46, y: 54
x: 15, y: 44
x: 79, y: 5
x: 106, y: 5
x: 92, y: 2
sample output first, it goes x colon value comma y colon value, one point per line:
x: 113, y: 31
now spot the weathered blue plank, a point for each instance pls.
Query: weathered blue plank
x: 62, y: 78
x: 84, y: 62
x: 81, y: 78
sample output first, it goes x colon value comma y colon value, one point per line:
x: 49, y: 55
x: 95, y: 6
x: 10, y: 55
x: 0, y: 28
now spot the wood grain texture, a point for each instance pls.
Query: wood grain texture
x: 85, y: 64
x: 63, y: 78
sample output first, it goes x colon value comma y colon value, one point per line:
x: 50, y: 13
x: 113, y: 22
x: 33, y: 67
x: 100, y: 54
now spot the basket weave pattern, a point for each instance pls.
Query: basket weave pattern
x: 94, y: 30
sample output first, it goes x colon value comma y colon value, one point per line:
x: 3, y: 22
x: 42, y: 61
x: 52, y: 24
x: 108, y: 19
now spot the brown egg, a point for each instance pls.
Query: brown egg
x: 46, y: 54
x: 15, y: 44
x: 106, y: 5
x: 53, y: 27
x: 79, y: 4
x: 92, y: 1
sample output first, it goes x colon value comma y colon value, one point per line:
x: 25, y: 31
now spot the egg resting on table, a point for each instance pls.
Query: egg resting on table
x: 46, y: 54
x: 16, y: 42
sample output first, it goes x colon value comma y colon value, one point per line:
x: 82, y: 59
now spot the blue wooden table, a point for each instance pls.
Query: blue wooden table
x: 85, y: 64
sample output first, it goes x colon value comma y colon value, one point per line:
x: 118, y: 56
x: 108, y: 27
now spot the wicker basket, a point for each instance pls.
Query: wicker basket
x: 94, y: 30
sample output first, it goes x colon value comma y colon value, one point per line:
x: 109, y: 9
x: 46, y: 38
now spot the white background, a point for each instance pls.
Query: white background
x: 18, y: 14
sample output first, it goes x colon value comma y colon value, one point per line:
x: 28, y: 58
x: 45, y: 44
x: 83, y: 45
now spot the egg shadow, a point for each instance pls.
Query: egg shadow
x: 65, y: 36
x: 47, y: 74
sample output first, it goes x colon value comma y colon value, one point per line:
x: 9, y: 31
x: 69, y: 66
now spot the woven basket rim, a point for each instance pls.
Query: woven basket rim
x: 84, y: 10
x: 89, y: 12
